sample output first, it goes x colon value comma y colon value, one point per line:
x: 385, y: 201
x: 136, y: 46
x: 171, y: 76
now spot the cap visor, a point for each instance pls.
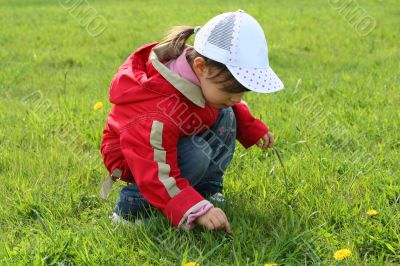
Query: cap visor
x: 262, y: 80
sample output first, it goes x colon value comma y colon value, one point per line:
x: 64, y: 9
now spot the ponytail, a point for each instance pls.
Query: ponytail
x: 177, y: 38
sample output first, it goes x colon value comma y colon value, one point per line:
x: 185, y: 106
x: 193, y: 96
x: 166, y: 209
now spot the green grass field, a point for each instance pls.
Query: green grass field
x: 336, y: 126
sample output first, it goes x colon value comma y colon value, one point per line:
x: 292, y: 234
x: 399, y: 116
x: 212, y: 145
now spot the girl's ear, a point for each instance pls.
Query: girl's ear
x: 199, y: 67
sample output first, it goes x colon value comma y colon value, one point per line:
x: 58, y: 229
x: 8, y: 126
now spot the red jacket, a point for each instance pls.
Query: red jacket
x: 153, y: 108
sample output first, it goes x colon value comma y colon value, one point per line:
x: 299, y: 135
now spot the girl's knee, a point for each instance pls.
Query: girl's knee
x: 225, y: 127
x: 228, y: 118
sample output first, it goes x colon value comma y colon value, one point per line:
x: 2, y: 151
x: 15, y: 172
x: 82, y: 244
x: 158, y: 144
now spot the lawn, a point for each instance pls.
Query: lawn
x: 336, y: 125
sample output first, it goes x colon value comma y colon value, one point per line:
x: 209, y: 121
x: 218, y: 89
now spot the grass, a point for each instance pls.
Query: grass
x: 336, y: 125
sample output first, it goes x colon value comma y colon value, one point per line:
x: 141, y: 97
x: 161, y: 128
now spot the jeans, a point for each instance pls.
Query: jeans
x: 202, y: 159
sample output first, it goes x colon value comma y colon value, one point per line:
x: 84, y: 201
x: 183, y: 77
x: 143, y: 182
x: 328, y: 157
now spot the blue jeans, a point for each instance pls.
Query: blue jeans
x: 202, y: 159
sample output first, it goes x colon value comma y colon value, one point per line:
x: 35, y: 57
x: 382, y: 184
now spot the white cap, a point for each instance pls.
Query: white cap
x: 236, y: 40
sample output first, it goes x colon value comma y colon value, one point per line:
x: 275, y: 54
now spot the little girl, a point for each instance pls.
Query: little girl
x: 177, y: 111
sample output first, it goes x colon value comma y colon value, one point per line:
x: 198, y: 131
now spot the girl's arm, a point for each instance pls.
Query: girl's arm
x: 249, y: 129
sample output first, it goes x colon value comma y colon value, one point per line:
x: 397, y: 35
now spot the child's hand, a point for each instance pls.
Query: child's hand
x: 266, y: 141
x: 214, y: 219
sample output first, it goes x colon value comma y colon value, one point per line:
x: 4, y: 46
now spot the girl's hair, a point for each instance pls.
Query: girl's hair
x: 177, y: 38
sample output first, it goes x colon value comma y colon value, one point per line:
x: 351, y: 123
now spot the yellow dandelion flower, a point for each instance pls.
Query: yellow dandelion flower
x: 342, y: 254
x: 270, y: 264
x: 372, y: 213
x: 97, y: 106
x: 191, y: 264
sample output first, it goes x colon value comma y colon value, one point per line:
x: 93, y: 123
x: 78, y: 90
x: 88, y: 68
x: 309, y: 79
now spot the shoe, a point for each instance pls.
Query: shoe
x: 217, y: 197
x: 218, y: 200
x: 118, y: 219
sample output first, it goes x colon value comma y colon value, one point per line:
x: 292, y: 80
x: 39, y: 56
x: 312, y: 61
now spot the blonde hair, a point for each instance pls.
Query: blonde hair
x: 177, y: 38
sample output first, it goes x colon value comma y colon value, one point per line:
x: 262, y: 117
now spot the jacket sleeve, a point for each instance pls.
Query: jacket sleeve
x: 249, y: 128
x: 150, y: 149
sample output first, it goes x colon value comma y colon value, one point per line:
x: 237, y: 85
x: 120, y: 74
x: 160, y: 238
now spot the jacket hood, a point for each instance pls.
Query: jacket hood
x: 145, y: 69
x: 131, y: 77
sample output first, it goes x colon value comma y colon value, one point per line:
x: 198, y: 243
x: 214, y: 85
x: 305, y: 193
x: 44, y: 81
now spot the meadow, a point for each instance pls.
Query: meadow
x: 336, y: 124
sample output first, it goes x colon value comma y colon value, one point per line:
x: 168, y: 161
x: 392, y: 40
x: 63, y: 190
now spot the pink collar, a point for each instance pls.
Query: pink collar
x: 181, y: 66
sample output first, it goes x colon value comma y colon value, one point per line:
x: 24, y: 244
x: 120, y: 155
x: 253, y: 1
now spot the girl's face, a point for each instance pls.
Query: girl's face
x: 212, y: 91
